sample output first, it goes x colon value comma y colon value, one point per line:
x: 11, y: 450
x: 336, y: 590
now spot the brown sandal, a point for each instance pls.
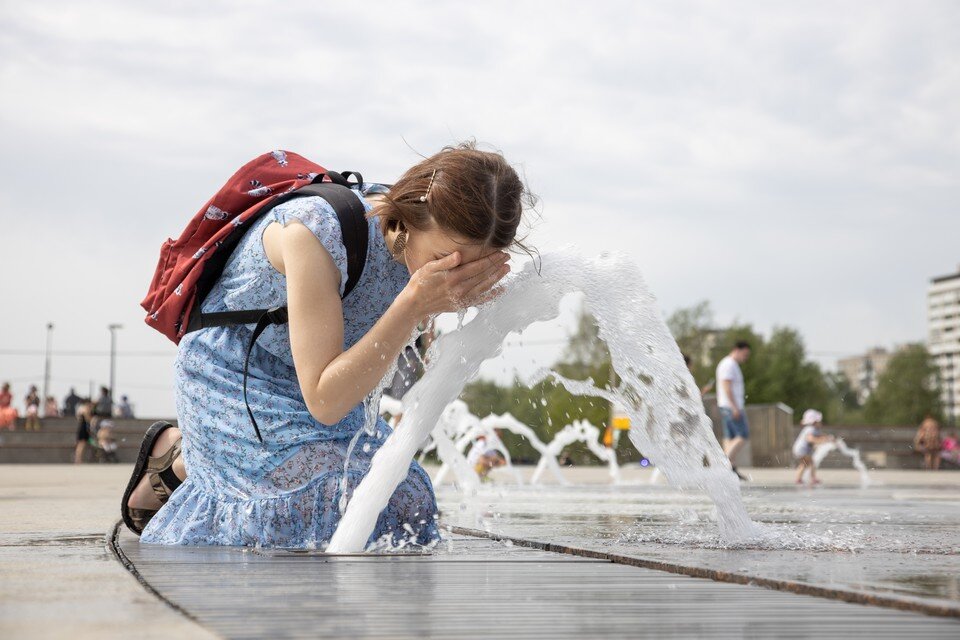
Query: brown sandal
x: 163, y: 480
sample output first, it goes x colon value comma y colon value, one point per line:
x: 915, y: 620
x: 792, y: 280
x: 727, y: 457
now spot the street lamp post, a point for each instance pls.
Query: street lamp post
x: 46, y: 363
x: 113, y: 359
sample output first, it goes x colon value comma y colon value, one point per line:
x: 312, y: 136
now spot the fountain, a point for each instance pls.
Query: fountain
x: 579, y: 431
x: 509, y: 423
x: 657, y: 391
x: 823, y: 450
x: 466, y: 429
x: 392, y: 407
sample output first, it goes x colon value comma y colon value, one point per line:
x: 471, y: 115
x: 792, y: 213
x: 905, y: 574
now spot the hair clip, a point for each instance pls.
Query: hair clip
x: 433, y: 175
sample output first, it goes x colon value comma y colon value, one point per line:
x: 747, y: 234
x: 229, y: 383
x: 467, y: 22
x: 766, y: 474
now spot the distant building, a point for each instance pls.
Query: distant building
x: 710, y: 338
x: 943, y: 340
x: 864, y: 371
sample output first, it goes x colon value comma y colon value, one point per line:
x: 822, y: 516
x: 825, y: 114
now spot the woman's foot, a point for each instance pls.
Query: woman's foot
x: 157, y: 473
x: 143, y: 496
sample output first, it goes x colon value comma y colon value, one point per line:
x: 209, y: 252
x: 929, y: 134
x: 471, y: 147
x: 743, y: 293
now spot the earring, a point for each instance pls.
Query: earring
x: 400, y: 243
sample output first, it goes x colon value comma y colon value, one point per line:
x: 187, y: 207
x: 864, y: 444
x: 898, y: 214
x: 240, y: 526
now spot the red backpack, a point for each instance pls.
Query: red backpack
x: 190, y: 265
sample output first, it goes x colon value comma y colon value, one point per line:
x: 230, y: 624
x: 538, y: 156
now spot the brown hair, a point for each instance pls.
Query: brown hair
x: 475, y: 194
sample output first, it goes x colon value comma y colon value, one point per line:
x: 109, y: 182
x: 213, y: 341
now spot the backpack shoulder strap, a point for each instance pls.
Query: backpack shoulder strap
x: 353, y: 225
x: 354, y: 229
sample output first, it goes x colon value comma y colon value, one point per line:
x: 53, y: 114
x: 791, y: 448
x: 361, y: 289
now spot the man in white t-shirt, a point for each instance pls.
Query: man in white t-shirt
x: 731, y: 399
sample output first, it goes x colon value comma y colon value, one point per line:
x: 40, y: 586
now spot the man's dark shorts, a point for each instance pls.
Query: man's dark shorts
x: 734, y: 427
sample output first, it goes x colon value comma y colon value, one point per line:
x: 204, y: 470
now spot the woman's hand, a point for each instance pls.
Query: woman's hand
x: 446, y: 285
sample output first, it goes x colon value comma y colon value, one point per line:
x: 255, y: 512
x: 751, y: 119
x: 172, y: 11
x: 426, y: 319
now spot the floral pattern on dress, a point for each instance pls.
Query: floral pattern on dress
x: 286, y: 491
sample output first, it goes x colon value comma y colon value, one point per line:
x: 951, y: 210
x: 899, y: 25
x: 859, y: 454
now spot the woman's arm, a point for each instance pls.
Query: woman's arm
x: 334, y: 381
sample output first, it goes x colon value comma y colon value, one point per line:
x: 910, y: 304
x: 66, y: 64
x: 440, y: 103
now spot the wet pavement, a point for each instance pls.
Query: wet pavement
x: 61, y: 571
x: 479, y: 588
x: 881, y: 541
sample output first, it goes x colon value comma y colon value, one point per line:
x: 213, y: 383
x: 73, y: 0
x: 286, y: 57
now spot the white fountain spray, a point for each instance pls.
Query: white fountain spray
x: 577, y: 431
x: 840, y: 446
x: 660, y: 396
x: 465, y: 429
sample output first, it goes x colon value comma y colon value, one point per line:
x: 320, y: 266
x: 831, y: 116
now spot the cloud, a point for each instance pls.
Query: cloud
x: 796, y: 164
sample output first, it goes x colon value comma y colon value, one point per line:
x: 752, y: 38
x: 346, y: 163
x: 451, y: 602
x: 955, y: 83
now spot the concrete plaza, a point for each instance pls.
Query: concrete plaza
x: 589, y: 560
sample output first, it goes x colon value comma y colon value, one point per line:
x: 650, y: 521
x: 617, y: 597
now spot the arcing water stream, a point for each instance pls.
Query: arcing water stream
x: 839, y: 445
x: 667, y: 419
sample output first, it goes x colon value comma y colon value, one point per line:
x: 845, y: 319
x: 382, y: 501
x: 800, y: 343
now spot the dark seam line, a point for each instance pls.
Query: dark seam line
x: 113, y: 545
x: 799, y: 588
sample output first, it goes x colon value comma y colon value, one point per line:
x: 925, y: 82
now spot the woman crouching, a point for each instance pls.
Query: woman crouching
x: 436, y: 244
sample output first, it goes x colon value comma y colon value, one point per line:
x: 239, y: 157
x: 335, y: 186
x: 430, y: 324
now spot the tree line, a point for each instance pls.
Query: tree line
x: 779, y: 370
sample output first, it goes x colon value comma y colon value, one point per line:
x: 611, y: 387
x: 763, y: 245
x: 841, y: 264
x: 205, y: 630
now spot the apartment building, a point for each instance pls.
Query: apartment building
x: 864, y: 371
x: 943, y: 339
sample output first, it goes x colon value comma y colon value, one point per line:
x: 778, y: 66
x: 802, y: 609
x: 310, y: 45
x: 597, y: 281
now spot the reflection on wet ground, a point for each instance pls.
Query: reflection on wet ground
x: 902, y: 541
x: 472, y: 587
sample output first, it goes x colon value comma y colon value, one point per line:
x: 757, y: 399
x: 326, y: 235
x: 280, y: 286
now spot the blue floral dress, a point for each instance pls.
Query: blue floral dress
x: 286, y: 491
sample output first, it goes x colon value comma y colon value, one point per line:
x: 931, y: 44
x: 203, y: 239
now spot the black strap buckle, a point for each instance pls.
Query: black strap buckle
x: 276, y: 315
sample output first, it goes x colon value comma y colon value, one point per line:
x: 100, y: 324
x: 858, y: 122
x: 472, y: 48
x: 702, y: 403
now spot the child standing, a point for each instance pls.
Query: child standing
x: 810, y: 436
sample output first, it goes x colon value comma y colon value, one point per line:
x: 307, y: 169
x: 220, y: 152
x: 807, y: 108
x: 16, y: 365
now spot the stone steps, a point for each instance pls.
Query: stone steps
x: 56, y: 441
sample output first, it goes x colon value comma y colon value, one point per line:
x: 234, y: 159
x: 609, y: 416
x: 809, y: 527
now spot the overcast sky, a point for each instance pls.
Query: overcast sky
x: 795, y: 163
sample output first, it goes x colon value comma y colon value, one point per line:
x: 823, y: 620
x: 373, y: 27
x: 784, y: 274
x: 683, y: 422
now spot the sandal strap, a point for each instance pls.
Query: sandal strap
x: 161, y: 462
x: 163, y: 480
x: 170, y: 479
x: 161, y: 491
x: 163, y: 486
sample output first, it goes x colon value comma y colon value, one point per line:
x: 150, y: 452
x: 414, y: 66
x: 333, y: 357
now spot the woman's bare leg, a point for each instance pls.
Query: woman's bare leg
x: 143, y: 496
x: 78, y: 452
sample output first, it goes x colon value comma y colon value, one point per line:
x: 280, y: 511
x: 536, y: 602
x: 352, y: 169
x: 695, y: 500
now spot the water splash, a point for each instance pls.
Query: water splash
x: 771, y: 536
x: 658, y: 392
x: 577, y: 431
x: 372, y: 407
x: 465, y: 429
x: 840, y: 446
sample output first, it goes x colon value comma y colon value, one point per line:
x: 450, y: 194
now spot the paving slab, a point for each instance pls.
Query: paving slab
x: 891, y: 545
x: 480, y: 588
x: 58, y: 577
x: 60, y: 574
